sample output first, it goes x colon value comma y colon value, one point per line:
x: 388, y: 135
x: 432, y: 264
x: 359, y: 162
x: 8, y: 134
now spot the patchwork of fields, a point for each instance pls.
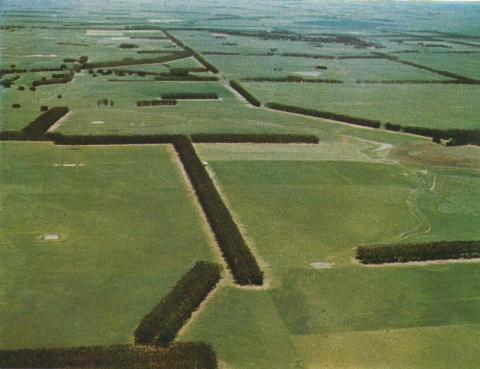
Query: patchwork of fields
x: 109, y: 209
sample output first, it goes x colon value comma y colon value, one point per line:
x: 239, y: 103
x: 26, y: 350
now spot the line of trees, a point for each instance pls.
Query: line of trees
x: 402, y: 253
x: 189, y: 95
x: 56, y: 79
x: 160, y: 327
x: 414, y: 81
x: 156, y: 102
x: 291, y: 78
x: 60, y: 139
x: 238, y: 256
x: 246, y: 94
x: 37, y: 128
x: 253, y: 138
x: 456, y: 137
x: 177, y: 356
x: 326, y: 115
x: 189, y: 77
x: 202, y: 60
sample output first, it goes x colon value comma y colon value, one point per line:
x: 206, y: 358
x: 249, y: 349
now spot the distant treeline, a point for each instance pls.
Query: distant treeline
x: 326, y: 115
x: 188, y: 78
x: 291, y: 78
x: 253, y: 138
x: 318, y: 39
x: 156, y: 102
x: 160, y: 327
x: 402, y: 253
x: 189, y: 95
x: 157, y: 51
x: 246, y: 94
x: 177, y: 356
x: 130, y: 61
x: 414, y: 82
x: 238, y: 256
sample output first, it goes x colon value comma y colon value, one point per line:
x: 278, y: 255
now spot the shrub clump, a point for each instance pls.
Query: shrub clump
x: 160, y: 327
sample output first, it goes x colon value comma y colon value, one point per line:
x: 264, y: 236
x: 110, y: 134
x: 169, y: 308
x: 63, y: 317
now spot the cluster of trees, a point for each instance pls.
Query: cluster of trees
x: 326, y: 115
x: 156, y: 102
x: 160, y: 327
x: 253, y: 138
x: 177, y: 356
x: 42, y: 123
x: 56, y: 79
x: 246, y: 94
x: 402, y: 253
x: 189, y: 95
x: 238, y: 256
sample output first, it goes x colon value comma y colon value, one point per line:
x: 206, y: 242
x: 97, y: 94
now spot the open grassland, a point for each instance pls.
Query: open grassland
x: 348, y: 70
x: 127, y: 231
x: 297, y: 213
x: 448, y: 106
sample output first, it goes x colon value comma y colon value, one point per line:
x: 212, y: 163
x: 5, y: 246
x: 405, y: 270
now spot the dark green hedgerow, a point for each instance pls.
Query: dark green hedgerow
x: 238, y: 256
x: 156, y: 102
x: 253, y: 138
x: 246, y: 94
x: 39, y: 126
x: 160, y: 327
x: 189, y: 95
x: 327, y: 115
x: 456, y: 136
x: 177, y: 356
x: 402, y: 253
x: 60, y: 139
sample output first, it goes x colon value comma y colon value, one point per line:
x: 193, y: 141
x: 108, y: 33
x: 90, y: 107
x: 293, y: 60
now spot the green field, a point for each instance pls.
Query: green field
x: 448, y: 106
x: 93, y: 237
x: 127, y: 231
x: 301, y: 212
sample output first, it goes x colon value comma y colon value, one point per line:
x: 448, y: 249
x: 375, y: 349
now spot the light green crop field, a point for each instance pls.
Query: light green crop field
x: 127, y: 231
